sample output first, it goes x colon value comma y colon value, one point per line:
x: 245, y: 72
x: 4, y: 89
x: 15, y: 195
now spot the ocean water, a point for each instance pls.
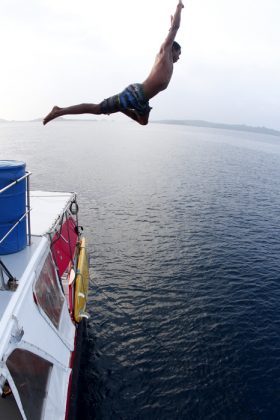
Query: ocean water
x: 183, y: 231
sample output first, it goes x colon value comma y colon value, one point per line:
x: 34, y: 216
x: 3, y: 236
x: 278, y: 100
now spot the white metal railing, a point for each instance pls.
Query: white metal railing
x: 28, y: 209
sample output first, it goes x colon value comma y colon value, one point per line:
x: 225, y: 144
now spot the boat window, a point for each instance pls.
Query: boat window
x: 48, y: 292
x: 30, y: 373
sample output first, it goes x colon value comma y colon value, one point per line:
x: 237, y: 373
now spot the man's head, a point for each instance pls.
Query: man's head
x: 176, y: 51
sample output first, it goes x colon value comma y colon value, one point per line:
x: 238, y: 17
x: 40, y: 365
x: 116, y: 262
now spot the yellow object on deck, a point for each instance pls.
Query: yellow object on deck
x: 81, y: 283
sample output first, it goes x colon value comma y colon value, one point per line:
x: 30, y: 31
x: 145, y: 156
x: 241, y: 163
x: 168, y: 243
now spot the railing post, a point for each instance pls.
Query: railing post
x: 28, y: 208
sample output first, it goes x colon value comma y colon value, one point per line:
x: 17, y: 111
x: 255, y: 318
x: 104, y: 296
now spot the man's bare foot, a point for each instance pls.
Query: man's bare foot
x: 52, y: 115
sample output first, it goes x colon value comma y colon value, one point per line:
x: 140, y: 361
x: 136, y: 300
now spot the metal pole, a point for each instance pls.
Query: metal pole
x: 28, y: 209
x: 15, y: 225
x: 15, y: 182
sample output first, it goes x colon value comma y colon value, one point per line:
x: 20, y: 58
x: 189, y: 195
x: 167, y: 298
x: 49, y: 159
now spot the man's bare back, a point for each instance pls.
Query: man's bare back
x: 134, y: 100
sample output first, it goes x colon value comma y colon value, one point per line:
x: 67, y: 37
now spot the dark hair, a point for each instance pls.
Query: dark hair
x: 176, y: 46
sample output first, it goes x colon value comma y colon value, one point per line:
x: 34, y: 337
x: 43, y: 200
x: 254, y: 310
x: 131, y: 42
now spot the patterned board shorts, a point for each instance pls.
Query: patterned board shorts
x: 132, y: 97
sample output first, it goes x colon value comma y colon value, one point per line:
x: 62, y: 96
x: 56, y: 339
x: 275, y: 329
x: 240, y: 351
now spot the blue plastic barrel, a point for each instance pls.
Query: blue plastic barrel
x: 12, y: 206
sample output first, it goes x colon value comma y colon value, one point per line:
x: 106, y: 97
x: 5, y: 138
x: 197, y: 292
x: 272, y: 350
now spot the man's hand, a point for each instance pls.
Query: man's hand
x: 175, y: 25
x: 180, y: 4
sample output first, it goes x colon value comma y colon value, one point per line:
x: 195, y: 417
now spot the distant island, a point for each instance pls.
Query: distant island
x: 207, y: 124
x: 59, y: 119
x: 191, y: 123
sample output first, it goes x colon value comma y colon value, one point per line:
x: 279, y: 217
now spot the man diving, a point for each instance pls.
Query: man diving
x: 134, y: 100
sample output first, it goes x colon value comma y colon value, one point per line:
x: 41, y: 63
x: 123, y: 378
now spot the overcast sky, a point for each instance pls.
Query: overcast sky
x: 63, y: 52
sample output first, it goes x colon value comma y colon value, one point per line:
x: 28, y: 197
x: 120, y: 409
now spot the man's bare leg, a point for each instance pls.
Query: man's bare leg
x: 72, y: 110
x: 132, y: 113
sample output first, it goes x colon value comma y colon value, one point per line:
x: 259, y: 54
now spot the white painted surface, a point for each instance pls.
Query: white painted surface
x: 19, y: 311
x: 46, y: 209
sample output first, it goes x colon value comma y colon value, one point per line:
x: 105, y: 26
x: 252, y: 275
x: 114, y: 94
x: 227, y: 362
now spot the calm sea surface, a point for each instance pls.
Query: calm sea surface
x: 183, y: 230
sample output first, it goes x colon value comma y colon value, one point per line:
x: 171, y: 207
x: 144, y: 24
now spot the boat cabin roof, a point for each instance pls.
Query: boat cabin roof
x: 46, y: 210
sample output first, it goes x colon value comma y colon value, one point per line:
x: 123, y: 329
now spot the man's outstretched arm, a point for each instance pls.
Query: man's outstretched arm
x: 175, y: 25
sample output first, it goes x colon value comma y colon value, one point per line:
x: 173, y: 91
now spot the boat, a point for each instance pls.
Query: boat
x: 44, y: 278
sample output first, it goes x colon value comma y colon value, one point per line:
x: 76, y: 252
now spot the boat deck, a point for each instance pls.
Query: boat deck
x: 17, y: 264
x: 5, y: 296
x: 35, y: 324
x: 46, y: 210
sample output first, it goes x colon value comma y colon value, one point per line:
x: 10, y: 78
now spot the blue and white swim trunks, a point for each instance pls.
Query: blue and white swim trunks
x: 132, y: 97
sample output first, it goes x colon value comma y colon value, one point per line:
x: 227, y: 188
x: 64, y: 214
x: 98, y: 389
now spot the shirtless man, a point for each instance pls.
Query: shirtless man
x: 134, y: 100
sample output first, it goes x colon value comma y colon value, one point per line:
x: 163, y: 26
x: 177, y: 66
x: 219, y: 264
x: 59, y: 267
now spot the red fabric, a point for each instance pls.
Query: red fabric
x: 63, y: 245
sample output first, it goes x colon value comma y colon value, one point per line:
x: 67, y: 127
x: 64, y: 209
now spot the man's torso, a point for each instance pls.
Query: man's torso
x: 160, y: 75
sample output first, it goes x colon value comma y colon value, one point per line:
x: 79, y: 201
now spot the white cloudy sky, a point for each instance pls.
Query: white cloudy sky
x: 65, y: 52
